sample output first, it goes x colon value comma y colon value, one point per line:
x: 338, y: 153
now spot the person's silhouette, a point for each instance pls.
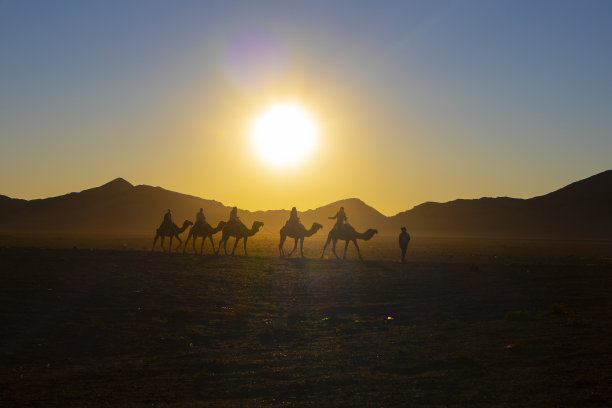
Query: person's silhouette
x: 340, y: 217
x: 234, y: 215
x: 404, y: 239
x: 294, y: 220
x: 200, y: 217
x: 167, y: 222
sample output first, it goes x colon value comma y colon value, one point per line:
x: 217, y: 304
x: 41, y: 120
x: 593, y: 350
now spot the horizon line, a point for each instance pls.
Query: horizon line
x: 122, y: 179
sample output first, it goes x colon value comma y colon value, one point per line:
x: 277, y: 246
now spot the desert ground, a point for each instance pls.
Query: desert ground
x: 103, y: 321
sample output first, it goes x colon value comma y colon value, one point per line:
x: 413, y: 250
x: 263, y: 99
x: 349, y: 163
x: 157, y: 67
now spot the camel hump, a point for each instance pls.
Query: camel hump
x: 235, y: 224
x: 346, y: 227
x: 292, y: 225
x: 349, y: 227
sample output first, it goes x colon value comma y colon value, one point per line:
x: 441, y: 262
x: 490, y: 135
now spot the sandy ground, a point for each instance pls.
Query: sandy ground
x: 464, y: 323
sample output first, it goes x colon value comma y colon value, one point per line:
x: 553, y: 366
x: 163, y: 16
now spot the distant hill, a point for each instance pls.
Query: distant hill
x: 115, y: 207
x: 120, y: 207
x: 579, y: 210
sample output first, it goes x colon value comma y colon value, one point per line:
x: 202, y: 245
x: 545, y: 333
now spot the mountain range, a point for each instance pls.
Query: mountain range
x: 581, y: 210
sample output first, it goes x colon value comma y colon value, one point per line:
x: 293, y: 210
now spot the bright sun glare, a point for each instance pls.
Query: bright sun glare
x: 284, y: 134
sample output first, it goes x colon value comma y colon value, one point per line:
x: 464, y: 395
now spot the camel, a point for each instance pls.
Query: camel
x: 240, y: 231
x: 203, y: 230
x: 172, y: 231
x: 298, y: 232
x: 347, y: 233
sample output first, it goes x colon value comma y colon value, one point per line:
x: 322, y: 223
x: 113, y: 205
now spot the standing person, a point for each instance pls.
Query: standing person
x: 340, y: 217
x: 404, y: 239
x: 200, y: 217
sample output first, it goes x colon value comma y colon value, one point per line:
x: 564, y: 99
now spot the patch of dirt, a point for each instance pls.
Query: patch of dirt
x: 98, y: 328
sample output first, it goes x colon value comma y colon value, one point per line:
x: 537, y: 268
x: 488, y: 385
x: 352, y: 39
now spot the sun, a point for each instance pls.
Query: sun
x: 284, y: 135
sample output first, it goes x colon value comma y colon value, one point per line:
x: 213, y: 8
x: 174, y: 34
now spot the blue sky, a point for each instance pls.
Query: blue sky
x: 420, y: 100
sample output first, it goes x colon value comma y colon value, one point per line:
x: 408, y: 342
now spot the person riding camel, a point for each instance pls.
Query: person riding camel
x: 167, y: 222
x: 340, y: 218
x: 294, y: 220
x: 234, y: 215
x: 200, y: 217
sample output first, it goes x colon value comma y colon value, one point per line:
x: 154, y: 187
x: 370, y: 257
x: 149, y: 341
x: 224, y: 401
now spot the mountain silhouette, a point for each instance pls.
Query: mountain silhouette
x: 578, y: 211
x: 361, y: 215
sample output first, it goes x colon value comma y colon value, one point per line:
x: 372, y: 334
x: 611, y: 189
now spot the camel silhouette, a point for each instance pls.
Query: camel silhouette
x: 204, y: 230
x: 298, y: 232
x: 347, y: 233
x: 171, y: 231
x: 238, y: 230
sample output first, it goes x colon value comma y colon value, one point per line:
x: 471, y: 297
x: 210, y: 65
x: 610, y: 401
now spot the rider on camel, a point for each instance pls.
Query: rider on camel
x: 234, y: 215
x: 340, y: 218
x: 200, y: 217
x: 294, y: 220
x: 167, y: 222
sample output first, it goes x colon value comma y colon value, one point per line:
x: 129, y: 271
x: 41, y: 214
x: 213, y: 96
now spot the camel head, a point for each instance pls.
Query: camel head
x: 257, y: 225
x: 186, y: 224
x: 370, y: 233
x: 221, y: 224
x: 316, y: 226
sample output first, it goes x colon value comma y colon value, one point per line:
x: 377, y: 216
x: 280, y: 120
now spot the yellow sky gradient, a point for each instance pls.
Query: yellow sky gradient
x: 414, y: 103
x: 201, y: 147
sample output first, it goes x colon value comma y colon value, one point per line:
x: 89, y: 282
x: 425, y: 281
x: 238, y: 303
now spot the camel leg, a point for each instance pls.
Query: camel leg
x: 302, y: 247
x: 170, y: 245
x: 294, y: 247
x: 345, y: 248
x: 334, y: 248
x: 280, y: 246
x: 225, y: 245
x: 357, y: 247
x: 244, y: 240
x: 163, y: 237
x: 180, y: 242
x: 220, y: 241
x: 212, y: 243
x: 202, y: 246
x: 224, y: 242
x: 193, y: 243
x: 186, y: 241
x: 325, y: 246
x: 235, y: 245
x: 154, y: 242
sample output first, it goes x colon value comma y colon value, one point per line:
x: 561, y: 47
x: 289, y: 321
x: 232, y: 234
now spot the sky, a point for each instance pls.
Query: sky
x: 414, y: 101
